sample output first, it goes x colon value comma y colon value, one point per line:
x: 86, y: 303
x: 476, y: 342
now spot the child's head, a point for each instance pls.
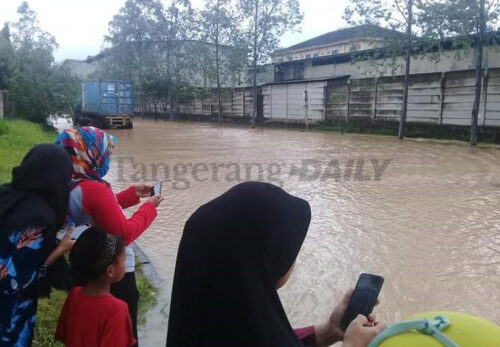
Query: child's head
x: 97, y: 254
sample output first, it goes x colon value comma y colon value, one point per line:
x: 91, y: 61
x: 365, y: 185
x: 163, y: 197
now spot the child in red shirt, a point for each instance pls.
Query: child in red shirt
x: 91, y: 316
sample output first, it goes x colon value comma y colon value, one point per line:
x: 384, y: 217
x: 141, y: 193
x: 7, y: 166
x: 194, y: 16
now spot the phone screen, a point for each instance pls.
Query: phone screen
x: 79, y: 230
x: 156, y: 189
x: 363, y: 299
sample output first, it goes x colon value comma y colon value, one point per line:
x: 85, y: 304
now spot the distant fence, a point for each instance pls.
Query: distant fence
x: 235, y: 103
x: 438, y: 98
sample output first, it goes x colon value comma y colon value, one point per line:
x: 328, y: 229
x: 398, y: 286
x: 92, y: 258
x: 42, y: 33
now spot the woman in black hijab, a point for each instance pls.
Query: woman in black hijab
x: 32, y: 209
x: 235, y: 252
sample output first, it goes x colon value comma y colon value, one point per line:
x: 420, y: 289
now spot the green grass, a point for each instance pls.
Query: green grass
x: 147, y: 292
x: 16, y: 138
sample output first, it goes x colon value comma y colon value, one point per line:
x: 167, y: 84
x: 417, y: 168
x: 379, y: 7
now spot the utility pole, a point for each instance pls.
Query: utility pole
x: 402, y: 122
x: 306, y: 105
x: 256, y: 18
x: 479, y: 73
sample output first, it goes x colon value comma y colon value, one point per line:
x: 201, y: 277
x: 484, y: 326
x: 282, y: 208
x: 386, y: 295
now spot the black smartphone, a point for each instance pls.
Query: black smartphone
x: 363, y: 298
x: 156, y: 189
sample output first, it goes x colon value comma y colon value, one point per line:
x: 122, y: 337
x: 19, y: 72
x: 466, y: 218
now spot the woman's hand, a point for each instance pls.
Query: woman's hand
x: 330, y: 332
x: 143, y: 190
x: 64, y: 246
x: 67, y: 243
x: 361, y: 332
x: 156, y: 200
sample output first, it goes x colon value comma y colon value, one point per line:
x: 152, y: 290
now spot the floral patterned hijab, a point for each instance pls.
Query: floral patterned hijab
x: 90, y: 149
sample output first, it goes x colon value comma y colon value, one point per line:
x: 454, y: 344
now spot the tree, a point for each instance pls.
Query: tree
x: 218, y: 23
x: 133, y: 33
x: 6, y: 57
x: 464, y: 24
x: 263, y: 22
x: 398, y: 15
x: 38, y: 87
x: 178, y: 30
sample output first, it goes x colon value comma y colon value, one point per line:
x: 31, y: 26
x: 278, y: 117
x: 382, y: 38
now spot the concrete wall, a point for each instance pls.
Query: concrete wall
x: 436, y: 98
x: 439, y: 98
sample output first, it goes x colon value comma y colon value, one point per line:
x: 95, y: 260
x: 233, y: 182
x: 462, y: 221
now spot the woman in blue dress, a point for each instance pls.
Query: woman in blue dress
x: 33, y: 207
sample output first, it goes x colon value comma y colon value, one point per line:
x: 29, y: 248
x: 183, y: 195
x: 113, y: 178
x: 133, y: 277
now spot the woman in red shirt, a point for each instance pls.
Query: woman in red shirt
x: 91, y: 316
x: 93, y: 202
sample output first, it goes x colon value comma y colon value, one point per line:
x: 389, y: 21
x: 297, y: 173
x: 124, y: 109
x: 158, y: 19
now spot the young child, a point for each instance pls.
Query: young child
x: 91, y: 316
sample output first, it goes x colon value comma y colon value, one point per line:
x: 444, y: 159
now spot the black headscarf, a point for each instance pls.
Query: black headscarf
x: 232, y: 253
x: 38, y: 194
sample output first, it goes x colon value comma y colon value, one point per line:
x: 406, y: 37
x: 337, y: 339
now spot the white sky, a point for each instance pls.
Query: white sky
x: 80, y: 25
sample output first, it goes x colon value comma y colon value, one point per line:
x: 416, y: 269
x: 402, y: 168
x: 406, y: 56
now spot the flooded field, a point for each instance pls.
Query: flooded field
x: 424, y: 215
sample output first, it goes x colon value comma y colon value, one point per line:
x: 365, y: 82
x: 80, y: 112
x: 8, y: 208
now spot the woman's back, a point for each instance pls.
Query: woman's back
x: 232, y: 253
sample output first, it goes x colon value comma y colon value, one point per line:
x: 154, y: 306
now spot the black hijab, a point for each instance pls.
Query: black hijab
x: 233, y: 251
x: 38, y: 194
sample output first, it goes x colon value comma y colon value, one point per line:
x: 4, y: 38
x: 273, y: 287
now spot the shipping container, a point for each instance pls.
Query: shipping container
x: 107, y: 103
x: 108, y: 97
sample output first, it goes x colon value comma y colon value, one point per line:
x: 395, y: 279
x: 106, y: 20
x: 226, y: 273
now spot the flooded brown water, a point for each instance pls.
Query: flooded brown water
x: 429, y: 223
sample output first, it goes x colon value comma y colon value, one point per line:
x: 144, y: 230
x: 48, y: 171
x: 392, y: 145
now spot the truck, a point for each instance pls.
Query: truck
x: 106, y: 104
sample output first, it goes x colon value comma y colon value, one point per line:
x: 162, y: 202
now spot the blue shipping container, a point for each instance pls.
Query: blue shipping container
x: 107, y: 97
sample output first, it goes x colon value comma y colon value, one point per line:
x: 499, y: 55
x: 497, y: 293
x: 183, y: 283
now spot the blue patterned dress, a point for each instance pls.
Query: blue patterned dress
x: 21, y: 261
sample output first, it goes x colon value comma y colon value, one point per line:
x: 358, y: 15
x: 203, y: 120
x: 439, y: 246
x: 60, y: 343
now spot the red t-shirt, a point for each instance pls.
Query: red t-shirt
x: 94, y: 321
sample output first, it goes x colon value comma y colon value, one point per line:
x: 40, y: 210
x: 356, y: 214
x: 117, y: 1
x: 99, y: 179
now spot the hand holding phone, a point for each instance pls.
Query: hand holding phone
x: 363, y: 298
x: 156, y: 189
x: 77, y: 231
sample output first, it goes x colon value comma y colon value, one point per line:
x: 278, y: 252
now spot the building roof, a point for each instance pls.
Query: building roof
x: 365, y: 30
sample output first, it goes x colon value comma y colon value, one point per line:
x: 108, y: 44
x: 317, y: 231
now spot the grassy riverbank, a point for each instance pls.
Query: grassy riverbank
x: 16, y: 138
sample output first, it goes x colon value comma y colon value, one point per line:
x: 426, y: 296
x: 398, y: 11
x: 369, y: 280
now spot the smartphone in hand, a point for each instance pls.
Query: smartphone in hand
x: 156, y: 189
x: 363, y: 298
x: 79, y: 230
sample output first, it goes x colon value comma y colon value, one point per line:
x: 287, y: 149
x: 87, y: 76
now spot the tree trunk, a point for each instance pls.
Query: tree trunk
x: 217, y: 64
x: 142, y: 103
x: 402, y: 121
x: 479, y: 74
x: 256, y: 18
x: 170, y: 106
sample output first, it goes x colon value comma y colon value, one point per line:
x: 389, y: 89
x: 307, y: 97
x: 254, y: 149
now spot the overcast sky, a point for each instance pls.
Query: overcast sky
x: 80, y: 25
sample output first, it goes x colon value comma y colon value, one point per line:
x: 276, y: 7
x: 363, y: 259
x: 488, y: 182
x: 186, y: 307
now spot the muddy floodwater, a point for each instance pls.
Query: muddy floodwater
x: 425, y: 215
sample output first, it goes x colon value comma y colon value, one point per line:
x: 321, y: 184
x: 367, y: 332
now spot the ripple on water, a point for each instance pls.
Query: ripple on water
x: 430, y: 226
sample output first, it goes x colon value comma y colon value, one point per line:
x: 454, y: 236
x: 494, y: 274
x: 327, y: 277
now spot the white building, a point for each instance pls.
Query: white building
x: 359, y: 53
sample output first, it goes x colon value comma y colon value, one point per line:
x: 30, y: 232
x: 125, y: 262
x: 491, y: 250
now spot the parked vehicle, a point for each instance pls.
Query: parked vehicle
x: 106, y: 104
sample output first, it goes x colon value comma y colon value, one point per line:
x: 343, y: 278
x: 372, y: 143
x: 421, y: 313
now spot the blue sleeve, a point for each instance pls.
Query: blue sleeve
x: 20, y: 266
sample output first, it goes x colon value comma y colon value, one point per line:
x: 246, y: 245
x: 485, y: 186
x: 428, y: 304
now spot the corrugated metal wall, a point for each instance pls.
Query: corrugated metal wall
x: 287, y: 101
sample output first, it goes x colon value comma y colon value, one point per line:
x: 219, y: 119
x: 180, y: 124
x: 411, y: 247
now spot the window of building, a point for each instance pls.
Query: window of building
x: 289, y: 58
x: 316, y: 55
x: 335, y: 51
x: 308, y: 56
